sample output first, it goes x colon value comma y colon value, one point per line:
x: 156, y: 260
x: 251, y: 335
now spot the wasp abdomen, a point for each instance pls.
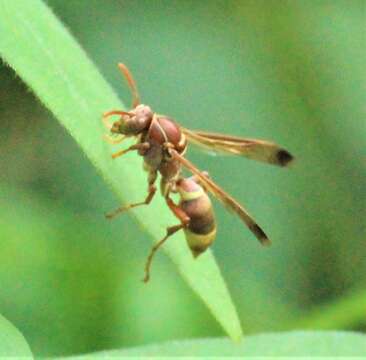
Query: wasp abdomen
x: 201, y: 230
x: 200, y: 212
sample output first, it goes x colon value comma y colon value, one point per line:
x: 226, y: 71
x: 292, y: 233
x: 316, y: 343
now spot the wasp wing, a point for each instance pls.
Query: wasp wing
x: 254, y: 149
x: 229, y: 202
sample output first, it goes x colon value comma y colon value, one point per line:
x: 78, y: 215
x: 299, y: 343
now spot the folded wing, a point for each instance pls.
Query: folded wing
x: 229, y: 202
x: 259, y: 150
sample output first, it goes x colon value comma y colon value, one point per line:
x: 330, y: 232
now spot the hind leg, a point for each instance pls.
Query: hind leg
x: 184, y: 219
x: 169, y: 232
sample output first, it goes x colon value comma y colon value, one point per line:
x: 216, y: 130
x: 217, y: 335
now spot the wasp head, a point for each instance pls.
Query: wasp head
x: 133, y: 122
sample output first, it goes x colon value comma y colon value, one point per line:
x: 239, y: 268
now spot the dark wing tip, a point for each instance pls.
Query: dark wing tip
x: 260, y: 235
x: 283, y: 157
x: 266, y: 242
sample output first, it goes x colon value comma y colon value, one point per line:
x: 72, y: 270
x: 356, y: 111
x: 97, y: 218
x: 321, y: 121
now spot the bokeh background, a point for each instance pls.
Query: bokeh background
x: 288, y: 71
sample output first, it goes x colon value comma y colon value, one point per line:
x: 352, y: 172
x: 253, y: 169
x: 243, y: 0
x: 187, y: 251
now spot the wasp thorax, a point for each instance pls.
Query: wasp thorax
x: 134, y: 122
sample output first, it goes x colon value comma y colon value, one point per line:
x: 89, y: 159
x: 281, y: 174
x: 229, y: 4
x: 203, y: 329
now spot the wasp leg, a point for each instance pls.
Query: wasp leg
x: 151, y: 192
x: 139, y: 146
x: 183, y: 217
x: 113, y: 141
x: 177, y: 211
x: 169, y: 232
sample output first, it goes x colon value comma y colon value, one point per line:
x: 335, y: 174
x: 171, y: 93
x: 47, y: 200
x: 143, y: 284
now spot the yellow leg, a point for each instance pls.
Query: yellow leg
x: 139, y: 146
x: 111, y: 140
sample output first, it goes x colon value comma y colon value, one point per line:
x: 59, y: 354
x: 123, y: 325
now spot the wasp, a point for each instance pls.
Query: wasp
x: 162, y: 143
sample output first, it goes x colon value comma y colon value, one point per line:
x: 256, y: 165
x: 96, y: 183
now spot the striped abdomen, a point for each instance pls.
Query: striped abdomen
x: 201, y: 230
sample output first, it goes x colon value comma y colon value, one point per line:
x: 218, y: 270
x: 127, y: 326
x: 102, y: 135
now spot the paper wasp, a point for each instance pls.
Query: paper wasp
x: 162, y: 143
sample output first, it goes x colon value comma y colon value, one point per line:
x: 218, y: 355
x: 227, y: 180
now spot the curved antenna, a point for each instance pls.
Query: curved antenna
x: 108, y: 114
x: 131, y: 83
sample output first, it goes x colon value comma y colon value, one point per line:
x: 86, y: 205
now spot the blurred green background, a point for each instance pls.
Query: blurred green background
x: 288, y: 71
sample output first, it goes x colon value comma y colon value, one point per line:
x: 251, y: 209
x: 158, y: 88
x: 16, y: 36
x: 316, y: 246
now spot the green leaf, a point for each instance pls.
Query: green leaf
x: 297, y: 343
x: 344, y: 312
x: 41, y: 51
x: 12, y: 342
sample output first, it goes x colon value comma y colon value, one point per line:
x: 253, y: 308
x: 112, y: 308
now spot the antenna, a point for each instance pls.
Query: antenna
x: 131, y: 83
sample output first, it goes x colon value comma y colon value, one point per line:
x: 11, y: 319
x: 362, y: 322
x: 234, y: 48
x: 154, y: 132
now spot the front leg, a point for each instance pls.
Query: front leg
x: 141, y: 147
x: 113, y: 140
